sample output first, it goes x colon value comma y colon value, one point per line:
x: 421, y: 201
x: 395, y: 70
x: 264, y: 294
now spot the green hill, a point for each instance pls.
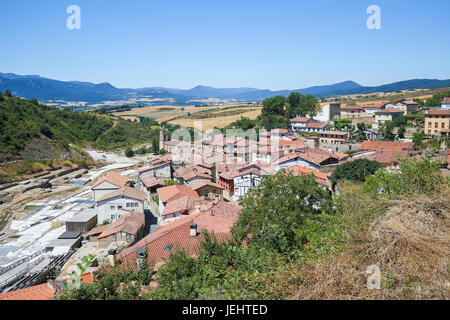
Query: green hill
x: 29, y: 130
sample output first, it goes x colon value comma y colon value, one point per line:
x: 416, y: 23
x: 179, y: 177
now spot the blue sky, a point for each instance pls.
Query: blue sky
x: 264, y: 44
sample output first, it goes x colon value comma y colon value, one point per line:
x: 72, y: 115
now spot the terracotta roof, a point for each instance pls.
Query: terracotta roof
x: 301, y: 119
x: 383, y: 157
x: 390, y: 110
x: 182, y: 204
x: 295, y: 144
x: 44, y: 291
x: 279, y: 131
x: 241, y: 170
x: 128, y: 192
x: 217, y: 218
x: 435, y: 112
x: 386, y: 145
x: 171, y: 193
x: 189, y: 172
x: 373, y: 106
x: 113, y: 178
x: 314, y: 156
x: 152, y: 181
x: 129, y: 222
x: 315, y: 125
x: 200, y: 184
x: 321, y: 177
x: 446, y: 100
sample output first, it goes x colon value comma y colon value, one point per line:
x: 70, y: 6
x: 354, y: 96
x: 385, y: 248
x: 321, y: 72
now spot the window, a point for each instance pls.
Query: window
x: 113, y: 207
x: 443, y: 125
x: 435, y: 124
x: 119, y: 207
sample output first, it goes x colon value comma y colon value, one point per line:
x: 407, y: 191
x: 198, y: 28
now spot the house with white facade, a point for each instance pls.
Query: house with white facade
x: 237, y: 181
x: 387, y: 115
x: 404, y: 105
x: 305, y: 124
x: 329, y: 112
x: 311, y: 158
x: 445, y: 104
x: 109, y: 182
x: 111, y: 205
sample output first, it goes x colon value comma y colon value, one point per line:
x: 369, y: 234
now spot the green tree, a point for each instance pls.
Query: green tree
x: 357, y: 170
x: 418, y: 139
x: 387, y: 130
x: 274, y: 211
x: 401, y: 132
x: 129, y: 152
x: 342, y: 123
x: 273, y: 113
x: 301, y: 105
x: 8, y: 93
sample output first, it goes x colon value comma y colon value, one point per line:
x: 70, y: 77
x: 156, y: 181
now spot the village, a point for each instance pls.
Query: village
x: 131, y: 210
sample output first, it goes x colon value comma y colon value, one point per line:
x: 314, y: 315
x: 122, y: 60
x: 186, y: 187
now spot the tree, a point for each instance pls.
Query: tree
x: 400, y: 121
x: 8, y: 93
x: 129, y: 153
x: 360, y: 133
x: 357, y: 170
x: 387, y: 130
x: 401, y: 132
x: 417, y: 139
x: 274, y: 212
x: 301, y: 105
x: 273, y: 113
x: 342, y: 123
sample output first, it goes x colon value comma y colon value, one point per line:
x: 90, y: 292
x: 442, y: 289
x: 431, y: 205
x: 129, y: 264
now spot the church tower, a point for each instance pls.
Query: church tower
x: 163, y: 136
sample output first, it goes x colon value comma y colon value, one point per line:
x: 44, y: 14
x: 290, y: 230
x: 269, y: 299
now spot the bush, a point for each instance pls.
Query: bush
x: 129, y: 153
x: 357, y: 170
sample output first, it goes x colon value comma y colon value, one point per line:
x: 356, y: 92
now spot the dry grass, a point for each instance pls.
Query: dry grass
x: 410, y: 245
x: 219, y: 122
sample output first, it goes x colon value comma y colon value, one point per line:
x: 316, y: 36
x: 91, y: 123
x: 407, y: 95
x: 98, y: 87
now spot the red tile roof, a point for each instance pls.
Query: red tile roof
x: 175, y: 192
x: 434, y: 112
x: 383, y: 157
x: 44, y: 291
x: 373, y: 106
x: 216, y: 218
x: 113, y: 178
x: 200, y: 184
x: 129, y: 222
x: 386, y: 145
x: 446, y: 100
x: 301, y: 119
x: 128, y: 192
x: 152, y: 181
x: 315, y: 125
x: 320, y: 176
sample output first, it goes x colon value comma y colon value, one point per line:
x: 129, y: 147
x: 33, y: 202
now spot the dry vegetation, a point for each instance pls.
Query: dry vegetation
x: 411, y: 246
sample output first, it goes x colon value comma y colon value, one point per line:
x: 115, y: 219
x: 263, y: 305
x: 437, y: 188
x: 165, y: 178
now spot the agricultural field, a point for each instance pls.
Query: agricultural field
x: 210, y: 116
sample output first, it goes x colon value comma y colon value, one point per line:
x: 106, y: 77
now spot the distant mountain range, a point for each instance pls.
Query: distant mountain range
x: 72, y: 92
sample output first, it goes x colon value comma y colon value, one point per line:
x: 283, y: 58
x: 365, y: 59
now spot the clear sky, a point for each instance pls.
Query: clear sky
x: 253, y: 43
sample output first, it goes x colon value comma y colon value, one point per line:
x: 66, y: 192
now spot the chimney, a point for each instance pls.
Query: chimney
x: 140, y: 259
x: 226, y: 168
x: 193, y: 230
x: 112, y: 257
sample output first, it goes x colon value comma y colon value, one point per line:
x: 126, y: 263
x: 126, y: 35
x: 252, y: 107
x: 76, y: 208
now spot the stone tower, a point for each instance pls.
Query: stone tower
x: 163, y: 136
